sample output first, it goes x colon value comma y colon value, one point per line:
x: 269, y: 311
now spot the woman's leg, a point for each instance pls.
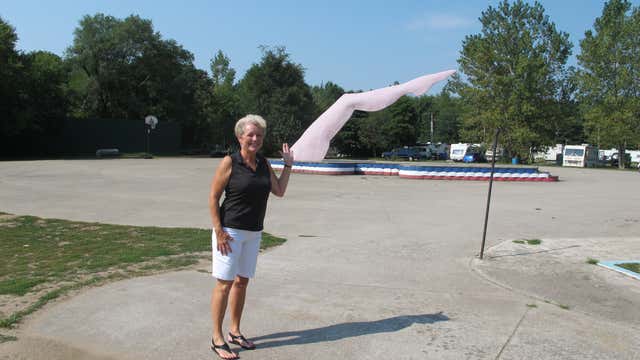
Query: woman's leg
x: 246, y: 270
x: 236, y: 303
x: 219, y: 299
x: 314, y: 143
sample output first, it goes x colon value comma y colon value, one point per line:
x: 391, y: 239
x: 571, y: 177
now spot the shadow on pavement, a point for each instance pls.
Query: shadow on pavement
x: 345, y: 330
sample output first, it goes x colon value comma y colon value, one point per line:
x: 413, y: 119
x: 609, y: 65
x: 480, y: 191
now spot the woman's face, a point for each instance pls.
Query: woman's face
x: 251, y: 139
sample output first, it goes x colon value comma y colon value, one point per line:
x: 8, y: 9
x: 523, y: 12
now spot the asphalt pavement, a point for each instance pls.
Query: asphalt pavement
x: 374, y: 267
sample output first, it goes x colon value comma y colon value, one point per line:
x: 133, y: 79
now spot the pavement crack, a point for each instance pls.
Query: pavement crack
x: 512, y: 334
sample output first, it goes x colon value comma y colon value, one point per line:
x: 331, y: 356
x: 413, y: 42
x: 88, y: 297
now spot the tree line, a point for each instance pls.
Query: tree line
x: 513, y: 75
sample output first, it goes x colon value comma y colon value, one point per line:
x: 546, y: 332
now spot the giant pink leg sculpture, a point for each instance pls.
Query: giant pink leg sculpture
x: 314, y: 143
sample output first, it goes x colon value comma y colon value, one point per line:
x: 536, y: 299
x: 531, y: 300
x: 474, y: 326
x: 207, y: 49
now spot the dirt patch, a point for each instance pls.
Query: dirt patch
x: 90, y: 228
x: 5, y: 217
x: 5, y: 220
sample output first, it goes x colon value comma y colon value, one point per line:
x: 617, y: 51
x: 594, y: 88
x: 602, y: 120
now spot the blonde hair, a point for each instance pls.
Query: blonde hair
x: 256, y: 120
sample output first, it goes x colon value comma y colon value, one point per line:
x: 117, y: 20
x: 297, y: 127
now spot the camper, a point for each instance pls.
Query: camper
x: 553, y: 153
x: 458, y: 151
x: 635, y: 155
x: 605, y: 155
x: 583, y: 155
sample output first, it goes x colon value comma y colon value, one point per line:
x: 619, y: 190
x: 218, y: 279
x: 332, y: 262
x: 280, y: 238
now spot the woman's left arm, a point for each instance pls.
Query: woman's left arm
x: 279, y: 185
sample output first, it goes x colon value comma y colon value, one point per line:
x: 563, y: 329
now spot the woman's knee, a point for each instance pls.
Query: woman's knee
x: 224, y: 286
x: 240, y: 282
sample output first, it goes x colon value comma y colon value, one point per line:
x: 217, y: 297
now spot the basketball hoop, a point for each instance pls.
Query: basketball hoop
x: 151, y: 120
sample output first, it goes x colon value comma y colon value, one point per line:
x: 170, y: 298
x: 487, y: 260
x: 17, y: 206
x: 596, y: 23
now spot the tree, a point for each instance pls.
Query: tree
x: 129, y: 71
x: 609, y: 77
x: 514, y: 70
x: 223, y: 106
x: 10, y: 81
x: 221, y: 73
x: 401, y: 123
x: 424, y: 108
x: 445, y: 111
x: 32, y: 88
x: 448, y: 112
x: 122, y: 68
x: 45, y: 89
x: 275, y: 89
x: 571, y: 130
x: 371, y: 134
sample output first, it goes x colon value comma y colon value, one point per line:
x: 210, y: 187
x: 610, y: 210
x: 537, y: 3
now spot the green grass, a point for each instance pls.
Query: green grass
x: 6, y: 338
x: 36, y: 251
x: 592, y: 261
x: 635, y: 267
x: 528, y: 241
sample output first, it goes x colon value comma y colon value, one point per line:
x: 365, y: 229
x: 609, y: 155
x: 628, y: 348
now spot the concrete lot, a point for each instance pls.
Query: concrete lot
x: 374, y: 267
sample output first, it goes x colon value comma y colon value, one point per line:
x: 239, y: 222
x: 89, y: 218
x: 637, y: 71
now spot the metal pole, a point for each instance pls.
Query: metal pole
x: 147, y: 155
x: 486, y: 214
x: 432, y: 127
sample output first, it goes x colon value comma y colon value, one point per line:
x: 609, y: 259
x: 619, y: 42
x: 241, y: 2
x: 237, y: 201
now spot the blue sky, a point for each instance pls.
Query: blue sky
x: 356, y: 44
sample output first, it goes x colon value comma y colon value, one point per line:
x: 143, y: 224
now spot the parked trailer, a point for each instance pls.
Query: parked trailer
x: 580, y: 155
x: 458, y: 151
x: 552, y: 152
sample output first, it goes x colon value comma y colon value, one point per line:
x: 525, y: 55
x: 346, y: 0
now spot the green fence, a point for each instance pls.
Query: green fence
x: 82, y: 137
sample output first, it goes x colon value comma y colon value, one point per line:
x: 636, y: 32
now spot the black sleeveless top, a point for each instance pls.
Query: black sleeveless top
x: 246, y: 194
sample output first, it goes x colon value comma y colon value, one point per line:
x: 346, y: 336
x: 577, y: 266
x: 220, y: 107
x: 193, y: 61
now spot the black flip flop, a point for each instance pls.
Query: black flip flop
x: 242, y: 340
x: 224, y: 347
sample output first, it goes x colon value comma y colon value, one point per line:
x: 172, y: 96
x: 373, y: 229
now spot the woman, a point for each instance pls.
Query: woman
x: 246, y: 178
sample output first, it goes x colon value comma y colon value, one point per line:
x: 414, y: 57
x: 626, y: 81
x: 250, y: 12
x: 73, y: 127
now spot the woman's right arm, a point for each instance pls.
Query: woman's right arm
x: 218, y: 184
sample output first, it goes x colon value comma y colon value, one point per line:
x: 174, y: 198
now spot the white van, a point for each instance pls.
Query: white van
x: 458, y: 151
x: 583, y: 155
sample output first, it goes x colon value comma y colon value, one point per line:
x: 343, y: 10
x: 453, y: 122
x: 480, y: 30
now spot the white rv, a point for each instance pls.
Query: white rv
x: 580, y: 155
x: 458, y: 151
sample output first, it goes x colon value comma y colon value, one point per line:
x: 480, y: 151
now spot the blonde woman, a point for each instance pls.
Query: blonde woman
x: 246, y: 178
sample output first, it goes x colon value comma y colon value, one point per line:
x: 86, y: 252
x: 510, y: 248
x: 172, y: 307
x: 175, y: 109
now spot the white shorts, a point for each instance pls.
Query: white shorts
x: 243, y: 256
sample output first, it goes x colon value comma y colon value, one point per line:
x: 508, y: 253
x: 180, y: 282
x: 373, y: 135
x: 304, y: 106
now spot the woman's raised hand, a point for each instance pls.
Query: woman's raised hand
x: 287, y: 154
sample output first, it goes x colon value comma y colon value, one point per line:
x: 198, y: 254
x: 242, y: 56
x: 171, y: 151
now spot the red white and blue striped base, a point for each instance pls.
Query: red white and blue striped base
x: 454, y: 172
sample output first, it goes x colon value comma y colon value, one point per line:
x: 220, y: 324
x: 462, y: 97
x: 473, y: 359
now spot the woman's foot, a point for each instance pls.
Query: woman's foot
x: 241, y: 341
x: 223, y: 351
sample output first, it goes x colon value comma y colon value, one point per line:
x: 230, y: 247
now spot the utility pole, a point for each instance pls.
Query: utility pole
x: 432, y: 127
